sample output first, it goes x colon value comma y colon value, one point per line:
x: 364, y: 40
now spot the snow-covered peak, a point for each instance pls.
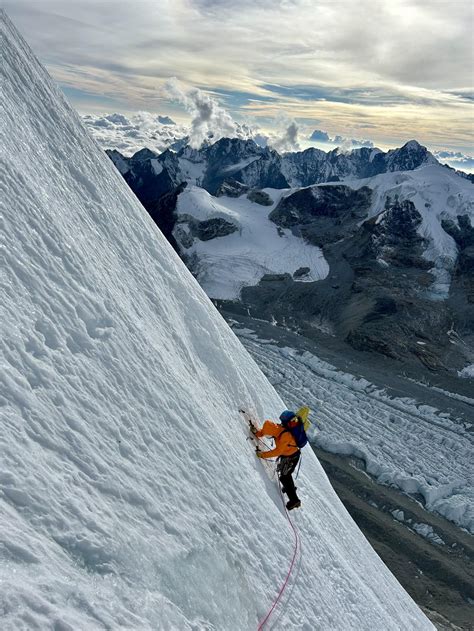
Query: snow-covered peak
x: 411, y: 156
x: 438, y: 194
x: 413, y: 145
x: 130, y: 495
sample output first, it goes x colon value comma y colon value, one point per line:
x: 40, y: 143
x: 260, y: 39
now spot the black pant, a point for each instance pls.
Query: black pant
x: 285, y: 467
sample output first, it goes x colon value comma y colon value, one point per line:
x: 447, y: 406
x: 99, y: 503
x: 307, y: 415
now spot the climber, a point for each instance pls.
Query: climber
x: 287, y: 437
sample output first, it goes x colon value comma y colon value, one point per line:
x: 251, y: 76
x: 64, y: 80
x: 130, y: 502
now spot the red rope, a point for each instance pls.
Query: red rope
x: 283, y: 587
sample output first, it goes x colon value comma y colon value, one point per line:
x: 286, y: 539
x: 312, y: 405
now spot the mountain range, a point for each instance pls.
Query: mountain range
x: 375, y: 248
x: 234, y: 160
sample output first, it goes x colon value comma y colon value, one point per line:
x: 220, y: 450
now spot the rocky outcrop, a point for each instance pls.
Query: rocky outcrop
x: 231, y: 165
x: 395, y: 237
x: 314, y: 166
x: 231, y: 188
x: 259, y: 167
x: 461, y: 295
x: 406, y: 158
x: 462, y: 232
x: 301, y: 272
x: 309, y: 204
x: 212, y: 228
x: 243, y: 161
x: 260, y: 197
x: 323, y: 214
x: 188, y: 228
x: 163, y: 212
x: 148, y: 174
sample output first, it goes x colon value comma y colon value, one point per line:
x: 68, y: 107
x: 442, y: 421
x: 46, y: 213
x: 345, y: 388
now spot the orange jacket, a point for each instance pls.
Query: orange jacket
x: 285, y: 444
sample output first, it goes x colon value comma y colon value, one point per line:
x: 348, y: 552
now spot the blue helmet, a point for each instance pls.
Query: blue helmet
x: 287, y: 416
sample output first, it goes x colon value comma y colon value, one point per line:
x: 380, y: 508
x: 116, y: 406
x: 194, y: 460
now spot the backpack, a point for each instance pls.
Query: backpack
x: 295, y: 427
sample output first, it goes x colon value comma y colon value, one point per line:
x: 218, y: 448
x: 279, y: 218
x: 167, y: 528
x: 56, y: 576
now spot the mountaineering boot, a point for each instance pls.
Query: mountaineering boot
x: 283, y: 490
x: 293, y: 504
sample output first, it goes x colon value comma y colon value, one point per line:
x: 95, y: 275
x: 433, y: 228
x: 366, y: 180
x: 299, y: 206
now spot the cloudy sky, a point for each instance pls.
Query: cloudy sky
x: 383, y: 70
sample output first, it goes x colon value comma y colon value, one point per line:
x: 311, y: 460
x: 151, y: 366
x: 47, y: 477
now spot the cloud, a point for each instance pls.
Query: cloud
x: 209, y: 119
x: 339, y: 45
x: 260, y: 139
x: 455, y: 159
x: 288, y: 141
x: 321, y: 136
x: 403, y: 66
x: 351, y: 142
x: 118, y: 119
x: 130, y: 134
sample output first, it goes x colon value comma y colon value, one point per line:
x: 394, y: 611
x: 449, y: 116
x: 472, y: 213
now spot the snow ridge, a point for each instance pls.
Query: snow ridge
x: 130, y: 497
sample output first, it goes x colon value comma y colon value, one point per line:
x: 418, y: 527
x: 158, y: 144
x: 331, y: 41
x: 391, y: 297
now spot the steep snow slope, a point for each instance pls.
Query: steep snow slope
x: 256, y: 247
x: 130, y: 497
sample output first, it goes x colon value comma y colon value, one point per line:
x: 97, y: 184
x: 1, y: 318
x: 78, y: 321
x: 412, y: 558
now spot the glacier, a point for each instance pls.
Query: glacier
x: 130, y: 496
x: 240, y: 259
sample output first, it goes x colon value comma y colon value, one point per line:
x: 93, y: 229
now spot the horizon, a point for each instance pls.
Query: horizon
x: 111, y: 138
x: 366, y: 75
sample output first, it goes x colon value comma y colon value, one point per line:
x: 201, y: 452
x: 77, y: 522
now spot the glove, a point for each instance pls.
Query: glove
x: 259, y: 454
x: 253, y: 429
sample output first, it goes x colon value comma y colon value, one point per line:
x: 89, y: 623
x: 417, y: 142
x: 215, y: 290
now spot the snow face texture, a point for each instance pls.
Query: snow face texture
x: 130, y: 497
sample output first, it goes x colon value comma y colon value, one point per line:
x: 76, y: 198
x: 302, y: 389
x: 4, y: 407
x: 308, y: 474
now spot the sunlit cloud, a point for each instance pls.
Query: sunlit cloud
x: 208, y: 117
x: 129, y: 134
x: 401, y: 68
x: 287, y: 140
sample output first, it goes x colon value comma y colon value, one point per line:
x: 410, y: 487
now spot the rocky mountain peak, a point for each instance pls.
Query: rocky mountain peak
x: 235, y: 147
x: 143, y: 155
x: 120, y: 161
x: 408, y: 157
